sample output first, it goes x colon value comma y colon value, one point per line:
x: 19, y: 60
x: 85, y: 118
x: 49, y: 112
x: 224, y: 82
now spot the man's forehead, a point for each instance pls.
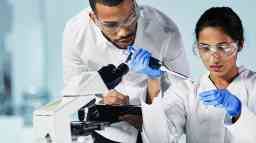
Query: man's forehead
x: 114, y: 12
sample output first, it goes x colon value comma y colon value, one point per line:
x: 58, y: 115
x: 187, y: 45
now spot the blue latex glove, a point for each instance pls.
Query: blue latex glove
x: 224, y: 99
x: 139, y: 63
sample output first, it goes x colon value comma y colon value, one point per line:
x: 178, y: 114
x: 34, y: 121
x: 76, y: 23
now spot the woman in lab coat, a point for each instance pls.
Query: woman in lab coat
x: 220, y: 107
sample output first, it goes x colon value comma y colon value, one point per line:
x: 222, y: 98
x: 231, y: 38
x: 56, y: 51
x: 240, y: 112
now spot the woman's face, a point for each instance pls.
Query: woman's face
x: 218, y: 52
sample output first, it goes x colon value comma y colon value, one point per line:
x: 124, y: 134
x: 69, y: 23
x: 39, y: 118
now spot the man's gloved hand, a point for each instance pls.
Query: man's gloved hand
x: 222, y: 98
x: 110, y: 76
x: 139, y: 63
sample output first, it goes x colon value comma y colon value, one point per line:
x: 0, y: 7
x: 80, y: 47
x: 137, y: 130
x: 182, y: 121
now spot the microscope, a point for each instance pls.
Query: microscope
x: 53, y: 123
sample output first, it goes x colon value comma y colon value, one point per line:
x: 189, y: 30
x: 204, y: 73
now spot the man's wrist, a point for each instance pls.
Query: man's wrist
x: 153, y: 89
x: 154, y: 77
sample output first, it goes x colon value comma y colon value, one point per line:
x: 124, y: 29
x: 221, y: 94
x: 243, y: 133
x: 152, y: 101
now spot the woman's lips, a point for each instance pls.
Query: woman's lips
x: 216, y: 68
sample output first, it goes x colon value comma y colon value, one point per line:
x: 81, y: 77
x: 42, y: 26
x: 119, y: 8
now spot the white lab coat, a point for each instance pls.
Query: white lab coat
x: 179, y: 111
x: 86, y: 49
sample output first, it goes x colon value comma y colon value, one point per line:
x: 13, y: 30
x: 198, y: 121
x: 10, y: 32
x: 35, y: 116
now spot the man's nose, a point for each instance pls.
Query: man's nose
x: 123, y: 32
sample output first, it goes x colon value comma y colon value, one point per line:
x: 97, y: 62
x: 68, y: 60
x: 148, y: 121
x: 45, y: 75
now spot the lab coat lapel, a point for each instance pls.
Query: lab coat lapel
x: 238, y: 88
x: 144, y: 37
x: 96, y: 47
x: 141, y: 38
x: 107, y: 52
x: 210, y: 118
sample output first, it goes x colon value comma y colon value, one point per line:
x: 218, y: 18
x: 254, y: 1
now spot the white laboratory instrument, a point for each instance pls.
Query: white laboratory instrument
x: 52, y: 122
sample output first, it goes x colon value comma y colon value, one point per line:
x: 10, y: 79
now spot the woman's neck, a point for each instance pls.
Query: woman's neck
x: 222, y: 82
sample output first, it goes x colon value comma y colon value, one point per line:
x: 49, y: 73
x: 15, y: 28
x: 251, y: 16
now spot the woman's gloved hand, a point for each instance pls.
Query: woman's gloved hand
x: 224, y: 99
x: 139, y: 63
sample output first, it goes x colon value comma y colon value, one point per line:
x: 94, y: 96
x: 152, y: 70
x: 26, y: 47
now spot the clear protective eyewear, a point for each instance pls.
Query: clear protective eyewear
x: 225, y: 49
x: 113, y: 27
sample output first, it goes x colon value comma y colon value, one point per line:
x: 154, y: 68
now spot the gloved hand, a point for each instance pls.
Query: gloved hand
x: 110, y: 76
x: 222, y: 98
x: 139, y: 63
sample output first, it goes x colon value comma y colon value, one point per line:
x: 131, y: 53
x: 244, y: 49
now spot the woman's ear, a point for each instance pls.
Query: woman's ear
x: 241, y: 46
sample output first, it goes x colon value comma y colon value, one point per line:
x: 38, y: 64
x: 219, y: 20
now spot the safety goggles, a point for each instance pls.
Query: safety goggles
x: 113, y: 27
x: 225, y: 49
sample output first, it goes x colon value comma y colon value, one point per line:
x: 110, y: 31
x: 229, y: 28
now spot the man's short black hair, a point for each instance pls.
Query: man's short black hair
x: 104, y: 2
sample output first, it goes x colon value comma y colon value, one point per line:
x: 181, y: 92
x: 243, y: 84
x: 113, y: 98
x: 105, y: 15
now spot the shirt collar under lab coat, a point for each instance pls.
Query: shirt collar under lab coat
x: 206, y: 84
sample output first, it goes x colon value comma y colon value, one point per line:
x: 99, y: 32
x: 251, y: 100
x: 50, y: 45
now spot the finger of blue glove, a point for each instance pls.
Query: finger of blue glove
x: 210, y: 97
x: 212, y: 103
x: 146, y: 59
x: 131, y: 49
x: 142, y: 57
x: 142, y: 63
x: 233, y: 105
x: 132, y: 61
x: 139, y: 61
x: 136, y: 56
x: 141, y: 53
x: 228, y: 98
x: 208, y: 93
x: 154, y: 73
x: 218, y: 98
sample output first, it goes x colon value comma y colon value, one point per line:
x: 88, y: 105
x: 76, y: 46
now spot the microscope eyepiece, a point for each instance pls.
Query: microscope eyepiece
x: 122, y: 69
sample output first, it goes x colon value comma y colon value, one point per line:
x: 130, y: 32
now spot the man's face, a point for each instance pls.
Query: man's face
x: 118, y: 23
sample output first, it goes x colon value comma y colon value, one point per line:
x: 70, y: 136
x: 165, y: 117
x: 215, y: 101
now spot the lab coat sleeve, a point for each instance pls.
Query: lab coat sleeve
x: 72, y: 64
x: 163, y: 120
x: 76, y: 76
x: 134, y: 92
x: 244, y: 128
x: 174, y: 55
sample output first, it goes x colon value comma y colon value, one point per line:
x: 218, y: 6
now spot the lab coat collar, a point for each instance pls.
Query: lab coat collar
x: 206, y: 83
x: 141, y: 27
x: 101, y: 39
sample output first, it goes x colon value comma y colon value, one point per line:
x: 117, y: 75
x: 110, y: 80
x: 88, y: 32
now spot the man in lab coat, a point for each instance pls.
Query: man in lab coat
x: 100, y: 36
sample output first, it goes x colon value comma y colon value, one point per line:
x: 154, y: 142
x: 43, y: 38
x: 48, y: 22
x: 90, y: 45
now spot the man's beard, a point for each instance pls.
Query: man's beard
x: 124, y: 41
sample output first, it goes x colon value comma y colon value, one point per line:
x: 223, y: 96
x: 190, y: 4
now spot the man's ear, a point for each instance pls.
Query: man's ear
x: 92, y: 16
